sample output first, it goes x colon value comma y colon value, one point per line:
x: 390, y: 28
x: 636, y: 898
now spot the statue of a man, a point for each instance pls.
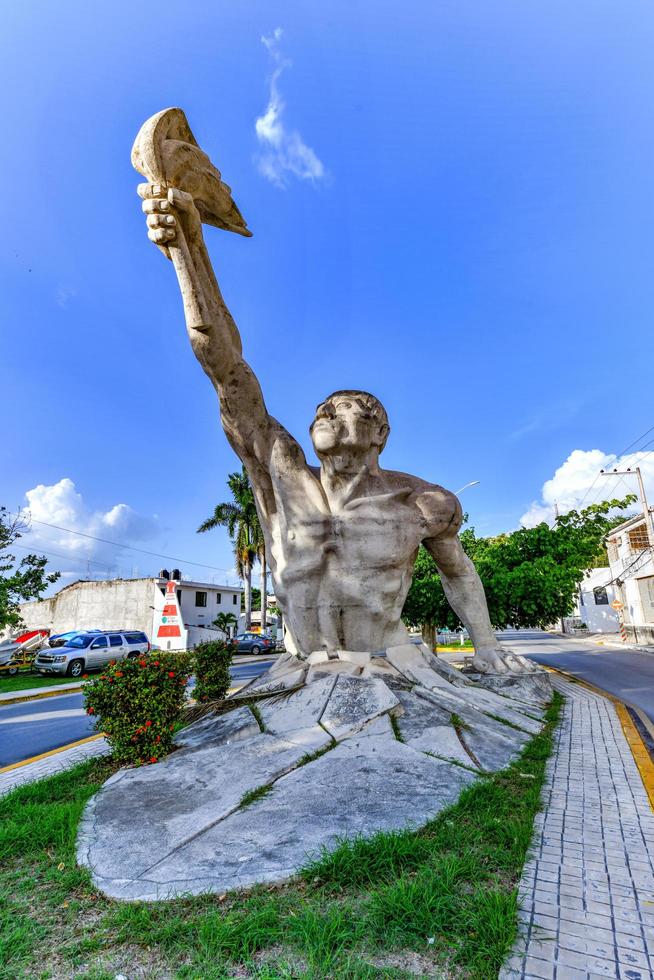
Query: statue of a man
x: 342, y: 537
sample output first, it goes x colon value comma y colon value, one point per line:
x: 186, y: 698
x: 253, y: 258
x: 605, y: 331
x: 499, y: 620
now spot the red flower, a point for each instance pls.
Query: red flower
x: 171, y: 673
x: 142, y: 663
x: 119, y: 673
x: 147, y: 724
x: 156, y: 663
x: 158, y: 738
x: 90, y: 711
x: 153, y: 759
x: 84, y: 675
x: 171, y: 727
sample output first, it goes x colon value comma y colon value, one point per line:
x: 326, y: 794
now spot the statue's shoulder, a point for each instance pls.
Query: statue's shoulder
x: 440, y: 507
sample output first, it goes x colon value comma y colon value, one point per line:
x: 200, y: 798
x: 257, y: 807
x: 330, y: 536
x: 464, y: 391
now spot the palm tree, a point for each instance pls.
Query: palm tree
x: 224, y: 621
x: 240, y: 518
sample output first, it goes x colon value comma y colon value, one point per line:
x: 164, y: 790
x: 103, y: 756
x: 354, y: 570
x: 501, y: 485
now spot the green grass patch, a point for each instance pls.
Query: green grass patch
x: 254, y: 794
x: 27, y: 682
x: 446, y: 894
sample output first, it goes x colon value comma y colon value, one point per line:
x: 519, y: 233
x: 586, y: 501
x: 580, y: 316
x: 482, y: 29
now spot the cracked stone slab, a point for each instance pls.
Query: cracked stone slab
x: 155, y: 809
x: 410, y: 662
x: 303, y: 710
x: 353, y: 702
x: 217, y: 728
x: 427, y: 728
x: 492, y: 743
x: 364, y: 785
x: 533, y: 688
x: 505, y: 708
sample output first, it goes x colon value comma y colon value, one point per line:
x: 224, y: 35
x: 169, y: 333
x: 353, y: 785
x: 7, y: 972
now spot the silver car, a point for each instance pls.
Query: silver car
x: 91, y: 651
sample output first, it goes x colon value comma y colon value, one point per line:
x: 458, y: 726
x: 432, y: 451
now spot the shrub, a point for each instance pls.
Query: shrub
x: 136, y: 703
x: 212, y: 662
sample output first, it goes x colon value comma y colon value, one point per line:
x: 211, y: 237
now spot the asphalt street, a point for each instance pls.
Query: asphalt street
x: 627, y: 674
x: 32, y: 727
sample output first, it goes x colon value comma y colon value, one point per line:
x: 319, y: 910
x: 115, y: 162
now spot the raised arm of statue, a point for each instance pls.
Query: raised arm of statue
x: 184, y: 190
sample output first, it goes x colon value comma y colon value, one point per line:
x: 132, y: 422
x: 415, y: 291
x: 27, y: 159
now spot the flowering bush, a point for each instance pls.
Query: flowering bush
x: 136, y: 703
x: 212, y: 662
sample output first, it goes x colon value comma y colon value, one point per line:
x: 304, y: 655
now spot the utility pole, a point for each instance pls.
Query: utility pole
x: 647, y: 513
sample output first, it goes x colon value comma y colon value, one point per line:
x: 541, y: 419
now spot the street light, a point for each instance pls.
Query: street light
x: 473, y: 483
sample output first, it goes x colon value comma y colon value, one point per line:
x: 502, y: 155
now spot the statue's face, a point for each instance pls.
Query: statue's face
x: 343, y: 424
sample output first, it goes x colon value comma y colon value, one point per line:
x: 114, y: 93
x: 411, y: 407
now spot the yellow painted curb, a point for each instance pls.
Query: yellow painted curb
x: 638, y: 748
x: 46, y: 755
x: 50, y: 693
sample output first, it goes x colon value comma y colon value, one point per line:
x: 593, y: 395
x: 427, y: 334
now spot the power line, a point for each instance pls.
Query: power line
x: 129, y: 547
x: 619, y: 456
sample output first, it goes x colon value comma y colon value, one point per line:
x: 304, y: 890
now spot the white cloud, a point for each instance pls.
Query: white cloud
x: 284, y: 152
x: 567, y: 489
x: 83, y: 557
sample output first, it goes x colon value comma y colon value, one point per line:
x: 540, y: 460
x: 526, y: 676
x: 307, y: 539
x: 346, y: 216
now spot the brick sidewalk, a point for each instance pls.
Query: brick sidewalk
x: 587, y: 892
x: 51, y: 765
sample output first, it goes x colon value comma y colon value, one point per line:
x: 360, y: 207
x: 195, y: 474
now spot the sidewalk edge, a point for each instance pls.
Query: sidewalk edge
x: 42, y: 694
x: 638, y: 748
x: 46, y: 755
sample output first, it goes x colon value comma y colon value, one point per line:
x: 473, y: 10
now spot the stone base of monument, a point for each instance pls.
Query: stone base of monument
x: 341, y: 747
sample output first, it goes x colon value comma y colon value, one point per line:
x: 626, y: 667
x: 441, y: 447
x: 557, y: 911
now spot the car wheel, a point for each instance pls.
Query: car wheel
x: 12, y: 671
x: 75, y: 668
x: 255, y: 650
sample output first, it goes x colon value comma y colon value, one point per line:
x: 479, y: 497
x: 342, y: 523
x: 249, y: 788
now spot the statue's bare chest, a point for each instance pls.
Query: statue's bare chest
x: 363, y: 533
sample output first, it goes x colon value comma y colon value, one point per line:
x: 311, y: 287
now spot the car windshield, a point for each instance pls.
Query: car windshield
x: 79, y: 641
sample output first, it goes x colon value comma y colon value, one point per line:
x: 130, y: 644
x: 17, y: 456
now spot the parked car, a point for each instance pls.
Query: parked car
x: 91, y: 651
x: 61, y: 639
x: 254, y: 643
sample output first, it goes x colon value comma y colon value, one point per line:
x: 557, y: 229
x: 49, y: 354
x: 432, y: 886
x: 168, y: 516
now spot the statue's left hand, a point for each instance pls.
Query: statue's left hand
x: 166, y: 209
x: 497, y: 660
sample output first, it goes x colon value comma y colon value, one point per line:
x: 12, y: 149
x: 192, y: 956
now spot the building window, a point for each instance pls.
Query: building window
x: 219, y: 597
x: 234, y: 599
x: 638, y: 538
x: 601, y: 597
x: 201, y: 599
x: 612, y: 550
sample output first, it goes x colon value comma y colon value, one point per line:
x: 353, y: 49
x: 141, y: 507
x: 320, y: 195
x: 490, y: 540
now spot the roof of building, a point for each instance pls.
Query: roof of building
x: 629, y: 523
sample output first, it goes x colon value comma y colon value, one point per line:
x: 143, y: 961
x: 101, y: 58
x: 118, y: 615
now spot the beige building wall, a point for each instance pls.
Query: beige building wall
x: 117, y: 604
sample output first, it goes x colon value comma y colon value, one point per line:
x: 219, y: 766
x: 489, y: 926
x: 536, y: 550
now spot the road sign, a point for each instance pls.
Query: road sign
x: 616, y: 604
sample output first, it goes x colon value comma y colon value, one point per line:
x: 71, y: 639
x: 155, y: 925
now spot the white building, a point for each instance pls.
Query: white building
x: 593, y: 609
x: 632, y: 568
x: 134, y: 604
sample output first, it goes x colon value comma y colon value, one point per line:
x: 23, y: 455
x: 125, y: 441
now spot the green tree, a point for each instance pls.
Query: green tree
x: 531, y: 576
x: 240, y: 518
x: 225, y: 622
x: 19, y: 581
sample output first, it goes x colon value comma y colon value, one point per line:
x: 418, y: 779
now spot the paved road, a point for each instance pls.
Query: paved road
x: 626, y: 673
x: 33, y: 727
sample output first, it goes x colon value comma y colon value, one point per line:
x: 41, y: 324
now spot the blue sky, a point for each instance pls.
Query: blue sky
x: 458, y: 217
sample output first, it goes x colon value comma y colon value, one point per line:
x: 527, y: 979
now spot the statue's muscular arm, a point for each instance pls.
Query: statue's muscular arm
x: 461, y: 583
x: 251, y: 431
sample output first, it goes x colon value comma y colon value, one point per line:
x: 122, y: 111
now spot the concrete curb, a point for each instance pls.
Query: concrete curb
x: 638, y: 748
x: 47, y: 755
x: 34, y: 694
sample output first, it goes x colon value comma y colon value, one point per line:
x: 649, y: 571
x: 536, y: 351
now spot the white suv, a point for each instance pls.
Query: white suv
x: 91, y: 651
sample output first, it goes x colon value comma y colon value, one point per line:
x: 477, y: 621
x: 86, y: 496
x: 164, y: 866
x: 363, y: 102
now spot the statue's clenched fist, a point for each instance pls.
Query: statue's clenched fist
x: 164, y: 207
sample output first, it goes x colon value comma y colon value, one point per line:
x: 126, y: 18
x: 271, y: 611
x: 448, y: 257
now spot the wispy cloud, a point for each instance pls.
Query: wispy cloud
x: 63, y: 295
x: 284, y: 153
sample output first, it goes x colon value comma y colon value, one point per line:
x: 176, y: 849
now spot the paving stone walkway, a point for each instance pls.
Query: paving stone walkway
x: 587, y: 893
x: 51, y: 765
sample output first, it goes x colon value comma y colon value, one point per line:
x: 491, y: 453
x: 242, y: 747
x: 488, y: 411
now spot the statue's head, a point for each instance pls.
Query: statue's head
x: 349, y: 421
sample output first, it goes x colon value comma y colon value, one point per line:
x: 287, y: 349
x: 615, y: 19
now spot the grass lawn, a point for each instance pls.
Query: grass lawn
x: 24, y: 681
x: 438, y: 902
